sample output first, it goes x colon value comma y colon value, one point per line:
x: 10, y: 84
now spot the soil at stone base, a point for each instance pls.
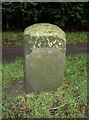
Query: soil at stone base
x: 16, y: 86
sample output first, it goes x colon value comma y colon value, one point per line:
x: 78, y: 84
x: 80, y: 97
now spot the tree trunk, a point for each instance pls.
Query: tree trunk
x: 7, y: 23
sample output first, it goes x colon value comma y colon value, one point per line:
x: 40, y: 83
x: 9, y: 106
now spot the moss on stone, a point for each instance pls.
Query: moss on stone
x: 44, y: 29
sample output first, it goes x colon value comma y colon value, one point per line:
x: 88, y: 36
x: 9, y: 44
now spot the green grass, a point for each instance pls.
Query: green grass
x: 11, y: 71
x: 70, y: 103
x: 12, y: 38
x: 16, y: 38
x: 77, y: 37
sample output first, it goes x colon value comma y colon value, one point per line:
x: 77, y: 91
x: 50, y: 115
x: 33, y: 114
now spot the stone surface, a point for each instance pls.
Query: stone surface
x: 44, y: 49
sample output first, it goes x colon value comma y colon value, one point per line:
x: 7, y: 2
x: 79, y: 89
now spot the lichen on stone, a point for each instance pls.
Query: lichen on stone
x: 44, y: 35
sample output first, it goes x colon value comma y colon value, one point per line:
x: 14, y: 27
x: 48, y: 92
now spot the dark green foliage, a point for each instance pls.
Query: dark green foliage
x: 76, y: 15
x: 66, y: 15
x: 11, y: 15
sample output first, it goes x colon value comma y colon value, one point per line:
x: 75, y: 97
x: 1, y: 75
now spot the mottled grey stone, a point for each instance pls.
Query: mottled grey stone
x: 44, y: 49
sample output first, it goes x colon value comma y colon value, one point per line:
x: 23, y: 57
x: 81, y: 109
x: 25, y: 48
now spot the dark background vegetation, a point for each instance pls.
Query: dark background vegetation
x: 69, y: 16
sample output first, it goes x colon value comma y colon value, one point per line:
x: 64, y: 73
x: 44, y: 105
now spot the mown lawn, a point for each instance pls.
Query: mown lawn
x: 70, y: 103
x: 16, y: 38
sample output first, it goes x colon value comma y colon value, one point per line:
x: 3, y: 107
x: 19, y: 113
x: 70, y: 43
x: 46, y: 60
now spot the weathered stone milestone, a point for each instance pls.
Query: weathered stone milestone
x: 44, y: 50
